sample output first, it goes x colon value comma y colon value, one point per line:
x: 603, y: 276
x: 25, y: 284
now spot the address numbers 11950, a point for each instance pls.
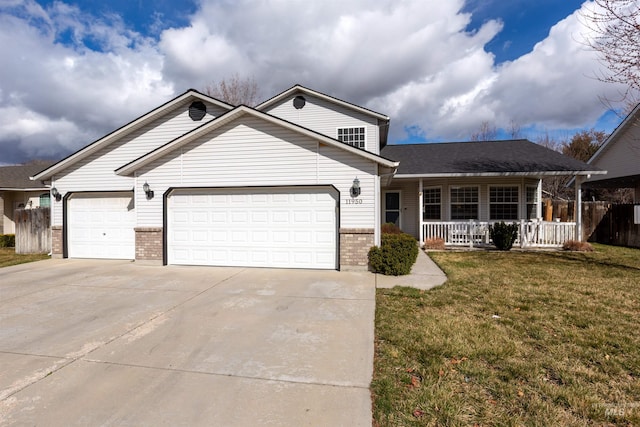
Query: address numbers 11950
x: 353, y: 201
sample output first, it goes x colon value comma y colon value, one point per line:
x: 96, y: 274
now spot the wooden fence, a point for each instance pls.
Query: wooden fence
x: 564, y: 211
x: 33, y: 231
x: 617, y: 227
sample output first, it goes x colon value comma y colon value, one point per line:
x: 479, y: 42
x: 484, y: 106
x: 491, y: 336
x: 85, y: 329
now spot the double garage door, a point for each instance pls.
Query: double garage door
x: 269, y: 227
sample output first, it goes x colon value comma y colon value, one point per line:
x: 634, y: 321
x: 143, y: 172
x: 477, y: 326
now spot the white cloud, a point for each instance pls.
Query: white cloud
x: 73, y: 77
x: 58, y: 97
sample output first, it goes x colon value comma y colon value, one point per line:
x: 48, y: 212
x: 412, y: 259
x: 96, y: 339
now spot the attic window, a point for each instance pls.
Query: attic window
x: 352, y: 136
x: 197, y: 110
x: 299, y: 102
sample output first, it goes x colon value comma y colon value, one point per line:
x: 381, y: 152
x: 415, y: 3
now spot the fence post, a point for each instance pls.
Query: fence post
x: 522, y: 234
x: 470, y: 234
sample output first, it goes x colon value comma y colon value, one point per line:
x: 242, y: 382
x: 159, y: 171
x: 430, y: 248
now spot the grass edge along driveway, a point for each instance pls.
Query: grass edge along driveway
x: 9, y: 257
x: 513, y: 338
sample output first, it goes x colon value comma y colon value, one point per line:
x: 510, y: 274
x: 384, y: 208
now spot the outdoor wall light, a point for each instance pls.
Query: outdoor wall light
x: 147, y: 191
x: 56, y: 194
x: 355, y: 188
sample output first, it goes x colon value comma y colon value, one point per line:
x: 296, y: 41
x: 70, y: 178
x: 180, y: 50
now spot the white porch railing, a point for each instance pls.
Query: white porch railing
x: 470, y: 233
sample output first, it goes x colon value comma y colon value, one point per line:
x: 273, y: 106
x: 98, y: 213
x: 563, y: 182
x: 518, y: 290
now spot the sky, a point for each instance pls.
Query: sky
x: 73, y: 71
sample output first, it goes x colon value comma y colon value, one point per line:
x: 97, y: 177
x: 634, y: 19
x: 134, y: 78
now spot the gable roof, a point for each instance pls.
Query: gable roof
x: 126, y: 129
x: 17, y: 177
x: 383, y: 120
x: 631, y: 119
x: 485, y: 158
x: 299, y: 88
x: 237, y: 112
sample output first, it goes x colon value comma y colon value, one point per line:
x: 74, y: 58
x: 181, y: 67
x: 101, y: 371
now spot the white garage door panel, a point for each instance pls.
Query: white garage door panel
x: 101, y: 226
x: 272, y: 227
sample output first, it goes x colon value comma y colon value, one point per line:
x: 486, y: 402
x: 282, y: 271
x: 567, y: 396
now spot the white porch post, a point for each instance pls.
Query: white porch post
x: 421, y: 214
x: 578, y: 209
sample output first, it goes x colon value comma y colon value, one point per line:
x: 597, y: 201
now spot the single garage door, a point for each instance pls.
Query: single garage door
x: 267, y: 227
x: 101, y: 225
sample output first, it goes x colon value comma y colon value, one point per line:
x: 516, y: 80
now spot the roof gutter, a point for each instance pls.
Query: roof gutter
x: 498, y: 174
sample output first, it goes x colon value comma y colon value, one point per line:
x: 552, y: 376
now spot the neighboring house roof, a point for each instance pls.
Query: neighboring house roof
x: 124, y: 130
x: 16, y: 178
x: 622, y: 127
x: 485, y: 158
x: 383, y: 120
x: 234, y: 114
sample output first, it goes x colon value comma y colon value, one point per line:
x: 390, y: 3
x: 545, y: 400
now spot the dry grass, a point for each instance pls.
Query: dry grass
x: 434, y: 243
x: 9, y: 257
x: 575, y: 245
x: 512, y: 339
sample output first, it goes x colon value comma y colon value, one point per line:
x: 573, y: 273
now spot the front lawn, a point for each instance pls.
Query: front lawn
x: 9, y: 257
x: 515, y: 338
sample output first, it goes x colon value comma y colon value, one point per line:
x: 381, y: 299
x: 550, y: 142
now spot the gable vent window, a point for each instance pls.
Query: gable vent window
x: 352, y: 136
x: 197, y: 110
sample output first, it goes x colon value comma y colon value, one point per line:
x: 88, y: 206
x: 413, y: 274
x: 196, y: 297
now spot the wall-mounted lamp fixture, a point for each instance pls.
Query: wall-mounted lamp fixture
x: 355, y: 188
x: 56, y: 194
x: 147, y: 191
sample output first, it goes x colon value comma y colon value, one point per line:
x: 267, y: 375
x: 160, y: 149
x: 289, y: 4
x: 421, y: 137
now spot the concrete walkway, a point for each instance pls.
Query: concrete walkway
x: 425, y: 274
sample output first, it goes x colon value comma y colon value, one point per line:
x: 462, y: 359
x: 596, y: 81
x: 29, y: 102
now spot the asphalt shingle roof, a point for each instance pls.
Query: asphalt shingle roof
x: 473, y: 158
x: 18, y: 176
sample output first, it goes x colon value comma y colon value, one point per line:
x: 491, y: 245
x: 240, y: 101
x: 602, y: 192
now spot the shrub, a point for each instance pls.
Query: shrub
x: 503, y: 235
x: 390, y: 228
x: 434, y: 243
x: 7, y: 240
x: 395, y: 256
x: 574, y: 245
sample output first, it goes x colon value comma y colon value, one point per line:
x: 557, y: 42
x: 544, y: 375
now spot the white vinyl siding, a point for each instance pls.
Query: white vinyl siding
x: 324, y: 117
x: 96, y: 172
x: 621, y: 157
x: 249, y: 152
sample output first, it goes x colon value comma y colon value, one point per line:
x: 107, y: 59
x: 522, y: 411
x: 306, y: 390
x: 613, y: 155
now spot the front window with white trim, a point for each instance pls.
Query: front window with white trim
x: 353, y: 136
x: 464, y: 203
x: 503, y: 202
x: 431, y: 199
x: 532, y: 202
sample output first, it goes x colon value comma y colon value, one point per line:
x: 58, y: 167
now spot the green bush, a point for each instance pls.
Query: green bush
x: 395, y: 256
x: 503, y: 235
x: 7, y: 240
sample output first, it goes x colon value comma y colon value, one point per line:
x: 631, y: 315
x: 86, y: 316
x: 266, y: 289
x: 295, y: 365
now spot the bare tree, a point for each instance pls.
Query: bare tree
x: 515, y: 131
x: 235, y: 91
x: 487, y: 132
x: 615, y: 25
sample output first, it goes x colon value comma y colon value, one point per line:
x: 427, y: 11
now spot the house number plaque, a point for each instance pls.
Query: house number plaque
x: 353, y: 201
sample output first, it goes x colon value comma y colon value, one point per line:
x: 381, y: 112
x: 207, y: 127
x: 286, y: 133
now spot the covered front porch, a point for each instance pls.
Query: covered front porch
x: 455, y: 191
x: 460, y: 210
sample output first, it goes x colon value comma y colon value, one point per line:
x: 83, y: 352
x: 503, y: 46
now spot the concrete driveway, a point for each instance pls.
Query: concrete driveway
x: 115, y: 343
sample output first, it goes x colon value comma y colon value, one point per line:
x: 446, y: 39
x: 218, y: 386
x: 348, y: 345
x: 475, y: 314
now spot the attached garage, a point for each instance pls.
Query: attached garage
x: 101, y: 225
x: 288, y: 227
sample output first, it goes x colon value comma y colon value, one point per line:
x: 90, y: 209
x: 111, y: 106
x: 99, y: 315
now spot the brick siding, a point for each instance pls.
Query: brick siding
x: 56, y: 241
x: 149, y: 243
x: 354, y: 246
